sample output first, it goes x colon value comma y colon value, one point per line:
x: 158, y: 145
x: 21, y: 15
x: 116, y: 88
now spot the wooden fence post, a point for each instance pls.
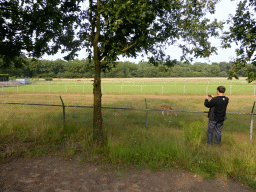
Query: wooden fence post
x: 146, y: 114
x: 63, y: 106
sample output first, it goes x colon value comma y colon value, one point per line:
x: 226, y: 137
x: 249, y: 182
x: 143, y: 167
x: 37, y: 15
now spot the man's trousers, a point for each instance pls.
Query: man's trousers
x: 217, y: 127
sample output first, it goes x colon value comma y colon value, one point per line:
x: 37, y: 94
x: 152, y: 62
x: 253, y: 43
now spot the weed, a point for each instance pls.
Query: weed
x: 193, y: 132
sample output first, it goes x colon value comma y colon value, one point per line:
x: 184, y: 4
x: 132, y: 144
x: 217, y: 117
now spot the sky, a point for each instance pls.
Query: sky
x: 223, y: 9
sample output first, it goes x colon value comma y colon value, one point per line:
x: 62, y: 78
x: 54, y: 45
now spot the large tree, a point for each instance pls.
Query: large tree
x: 120, y: 27
x: 109, y: 29
x: 242, y: 31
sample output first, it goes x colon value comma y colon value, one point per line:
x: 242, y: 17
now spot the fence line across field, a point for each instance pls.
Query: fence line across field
x: 132, y: 109
x: 141, y: 87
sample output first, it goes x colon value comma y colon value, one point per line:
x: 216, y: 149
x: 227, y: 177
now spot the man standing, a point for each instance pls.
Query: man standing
x: 217, y: 114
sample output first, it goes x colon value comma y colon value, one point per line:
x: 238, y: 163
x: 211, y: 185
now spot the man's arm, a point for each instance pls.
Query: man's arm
x: 209, y: 104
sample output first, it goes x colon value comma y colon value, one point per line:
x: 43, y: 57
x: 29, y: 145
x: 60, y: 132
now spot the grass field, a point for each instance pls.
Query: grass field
x: 139, y: 85
x: 169, y: 141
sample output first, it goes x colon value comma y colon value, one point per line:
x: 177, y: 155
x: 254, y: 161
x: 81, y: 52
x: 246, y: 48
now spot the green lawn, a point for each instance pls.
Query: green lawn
x: 152, y: 86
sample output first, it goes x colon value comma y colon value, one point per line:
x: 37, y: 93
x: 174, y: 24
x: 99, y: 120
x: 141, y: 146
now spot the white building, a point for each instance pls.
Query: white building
x: 23, y: 81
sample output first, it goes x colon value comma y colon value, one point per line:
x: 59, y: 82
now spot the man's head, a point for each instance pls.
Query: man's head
x: 221, y: 90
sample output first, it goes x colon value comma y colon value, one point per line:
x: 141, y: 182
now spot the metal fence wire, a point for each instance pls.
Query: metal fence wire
x: 75, y: 119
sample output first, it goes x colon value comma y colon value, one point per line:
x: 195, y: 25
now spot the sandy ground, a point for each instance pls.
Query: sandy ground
x: 56, y: 174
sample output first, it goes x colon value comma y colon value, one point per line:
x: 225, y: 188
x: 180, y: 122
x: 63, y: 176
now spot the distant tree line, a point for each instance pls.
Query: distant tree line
x: 83, y: 69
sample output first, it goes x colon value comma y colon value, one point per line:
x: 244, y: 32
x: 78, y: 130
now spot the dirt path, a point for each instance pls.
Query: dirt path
x: 52, y: 174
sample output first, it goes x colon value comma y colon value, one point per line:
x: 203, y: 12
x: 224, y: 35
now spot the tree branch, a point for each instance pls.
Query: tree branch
x: 129, y: 47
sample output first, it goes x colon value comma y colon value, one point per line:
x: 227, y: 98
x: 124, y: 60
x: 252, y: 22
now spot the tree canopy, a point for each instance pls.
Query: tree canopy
x: 242, y: 31
x: 132, y: 27
x: 37, y: 27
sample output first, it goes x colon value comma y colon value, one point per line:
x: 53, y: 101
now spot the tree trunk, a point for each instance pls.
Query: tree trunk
x: 98, y: 134
x: 98, y: 137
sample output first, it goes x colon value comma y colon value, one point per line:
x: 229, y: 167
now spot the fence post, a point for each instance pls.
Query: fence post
x: 63, y: 106
x: 146, y: 114
x: 251, y: 126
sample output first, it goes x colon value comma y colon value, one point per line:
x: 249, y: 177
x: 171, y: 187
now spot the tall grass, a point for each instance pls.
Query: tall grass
x: 169, y: 141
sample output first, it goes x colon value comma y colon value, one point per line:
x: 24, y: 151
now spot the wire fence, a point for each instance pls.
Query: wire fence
x: 38, y: 117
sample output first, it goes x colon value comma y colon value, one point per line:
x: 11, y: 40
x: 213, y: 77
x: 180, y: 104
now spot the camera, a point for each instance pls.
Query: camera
x: 209, y: 95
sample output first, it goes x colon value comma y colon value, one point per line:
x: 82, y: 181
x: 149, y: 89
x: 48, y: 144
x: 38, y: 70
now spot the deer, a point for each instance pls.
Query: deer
x: 167, y: 107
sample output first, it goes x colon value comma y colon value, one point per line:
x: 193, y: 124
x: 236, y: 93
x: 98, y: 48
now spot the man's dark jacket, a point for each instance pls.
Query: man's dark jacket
x: 218, y: 106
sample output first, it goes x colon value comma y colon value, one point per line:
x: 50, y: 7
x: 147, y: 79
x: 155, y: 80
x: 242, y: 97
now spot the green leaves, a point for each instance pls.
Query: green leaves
x: 243, y: 32
x: 31, y: 25
x: 150, y: 25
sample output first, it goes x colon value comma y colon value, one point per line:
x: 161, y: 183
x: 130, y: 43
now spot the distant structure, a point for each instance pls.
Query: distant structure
x: 23, y: 81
